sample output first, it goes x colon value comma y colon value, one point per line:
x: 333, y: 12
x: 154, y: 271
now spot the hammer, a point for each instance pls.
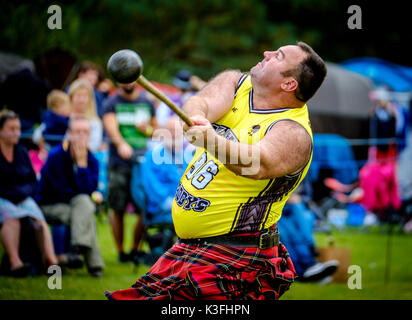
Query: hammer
x: 126, y: 66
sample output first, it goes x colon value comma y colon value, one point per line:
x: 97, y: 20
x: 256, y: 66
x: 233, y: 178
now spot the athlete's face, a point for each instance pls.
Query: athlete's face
x: 268, y: 72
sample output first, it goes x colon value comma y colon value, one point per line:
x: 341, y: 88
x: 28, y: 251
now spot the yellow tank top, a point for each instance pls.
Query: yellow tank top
x: 211, y: 200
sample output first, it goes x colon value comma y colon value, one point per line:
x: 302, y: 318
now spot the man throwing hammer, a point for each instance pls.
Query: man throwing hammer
x: 254, y: 148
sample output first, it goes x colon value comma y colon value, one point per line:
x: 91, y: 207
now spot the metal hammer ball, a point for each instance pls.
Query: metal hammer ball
x: 125, y: 66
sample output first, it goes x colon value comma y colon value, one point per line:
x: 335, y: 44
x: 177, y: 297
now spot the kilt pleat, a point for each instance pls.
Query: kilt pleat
x: 214, y: 272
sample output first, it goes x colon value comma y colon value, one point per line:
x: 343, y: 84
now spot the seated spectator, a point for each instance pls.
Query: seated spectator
x: 154, y: 184
x: 296, y: 233
x: 17, y: 187
x: 56, y: 120
x: 82, y: 102
x: 160, y: 173
x: 68, y: 179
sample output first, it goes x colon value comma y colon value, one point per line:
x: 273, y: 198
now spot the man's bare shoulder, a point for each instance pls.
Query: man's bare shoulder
x: 228, y: 77
x: 235, y: 73
x: 291, y: 146
x: 217, y: 96
x: 291, y: 128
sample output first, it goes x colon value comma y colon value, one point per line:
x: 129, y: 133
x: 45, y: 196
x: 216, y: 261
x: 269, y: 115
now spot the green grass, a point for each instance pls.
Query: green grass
x: 367, y: 250
x: 77, y: 284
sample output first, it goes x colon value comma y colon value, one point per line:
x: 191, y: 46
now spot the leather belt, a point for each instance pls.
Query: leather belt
x: 266, y: 239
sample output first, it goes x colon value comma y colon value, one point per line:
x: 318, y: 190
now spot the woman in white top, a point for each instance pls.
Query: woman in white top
x: 83, y: 103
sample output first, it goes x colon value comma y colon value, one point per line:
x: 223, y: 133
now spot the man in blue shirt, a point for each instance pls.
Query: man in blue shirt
x: 68, y: 179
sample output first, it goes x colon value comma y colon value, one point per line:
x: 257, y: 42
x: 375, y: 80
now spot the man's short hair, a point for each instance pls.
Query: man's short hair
x: 55, y: 98
x: 309, y: 74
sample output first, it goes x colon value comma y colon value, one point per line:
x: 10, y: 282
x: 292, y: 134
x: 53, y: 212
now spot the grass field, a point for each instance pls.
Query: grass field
x: 367, y: 251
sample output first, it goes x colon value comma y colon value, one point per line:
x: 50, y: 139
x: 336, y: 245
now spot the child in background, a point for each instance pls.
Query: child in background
x: 56, y: 118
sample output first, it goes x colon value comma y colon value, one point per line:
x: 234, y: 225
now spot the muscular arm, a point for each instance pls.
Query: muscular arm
x: 216, y: 98
x: 285, y: 149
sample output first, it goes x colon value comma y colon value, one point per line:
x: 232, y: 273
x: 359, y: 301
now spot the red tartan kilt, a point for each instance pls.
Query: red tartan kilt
x: 214, y: 272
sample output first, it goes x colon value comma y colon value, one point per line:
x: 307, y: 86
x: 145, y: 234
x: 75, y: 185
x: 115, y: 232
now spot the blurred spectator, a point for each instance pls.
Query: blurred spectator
x: 380, y: 189
x: 17, y: 187
x: 188, y: 85
x: 296, y: 233
x: 159, y: 174
x: 68, y: 179
x: 129, y: 121
x: 389, y: 119
x: 402, y: 125
x: 25, y: 93
x: 92, y: 73
x: 404, y: 172
x: 82, y: 102
x: 106, y: 86
x: 183, y: 82
x: 383, y: 125
x: 381, y: 192
x: 376, y: 191
x: 154, y: 183
x: 332, y: 157
x: 56, y: 119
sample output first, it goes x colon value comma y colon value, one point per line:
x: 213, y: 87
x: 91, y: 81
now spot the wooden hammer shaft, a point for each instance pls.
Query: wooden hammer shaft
x: 157, y: 93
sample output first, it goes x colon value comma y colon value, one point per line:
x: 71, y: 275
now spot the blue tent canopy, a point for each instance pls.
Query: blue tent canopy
x: 398, y: 78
